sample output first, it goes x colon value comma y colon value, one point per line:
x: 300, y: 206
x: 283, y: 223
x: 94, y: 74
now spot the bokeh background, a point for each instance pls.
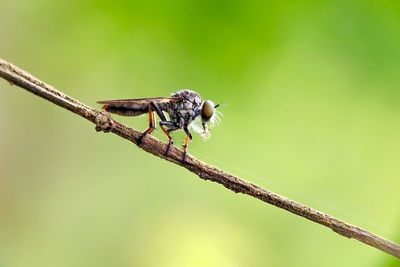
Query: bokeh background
x: 312, y: 112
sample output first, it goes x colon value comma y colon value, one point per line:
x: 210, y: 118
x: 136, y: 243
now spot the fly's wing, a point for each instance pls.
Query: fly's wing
x: 135, y: 107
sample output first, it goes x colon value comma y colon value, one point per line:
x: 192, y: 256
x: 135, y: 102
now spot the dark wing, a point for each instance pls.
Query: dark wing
x: 147, y: 101
x: 138, y: 106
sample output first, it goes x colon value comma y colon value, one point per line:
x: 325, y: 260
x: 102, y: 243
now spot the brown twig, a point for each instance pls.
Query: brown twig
x: 105, y: 123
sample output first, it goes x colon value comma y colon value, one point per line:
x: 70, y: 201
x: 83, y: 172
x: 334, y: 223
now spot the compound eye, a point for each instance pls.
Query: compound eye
x: 207, y: 110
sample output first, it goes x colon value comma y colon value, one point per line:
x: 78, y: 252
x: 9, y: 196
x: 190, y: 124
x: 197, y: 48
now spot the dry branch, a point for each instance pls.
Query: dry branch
x: 105, y: 123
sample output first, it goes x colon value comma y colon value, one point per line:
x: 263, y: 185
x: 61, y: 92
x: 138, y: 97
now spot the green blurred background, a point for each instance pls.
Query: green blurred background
x: 312, y: 93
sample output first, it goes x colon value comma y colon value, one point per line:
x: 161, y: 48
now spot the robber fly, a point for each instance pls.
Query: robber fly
x: 183, y: 107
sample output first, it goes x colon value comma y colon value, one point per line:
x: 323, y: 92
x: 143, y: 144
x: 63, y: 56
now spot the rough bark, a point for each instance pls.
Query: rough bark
x: 105, y: 123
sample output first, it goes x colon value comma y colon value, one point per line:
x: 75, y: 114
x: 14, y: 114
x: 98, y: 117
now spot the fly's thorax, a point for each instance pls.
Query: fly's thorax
x: 182, y: 116
x: 189, y: 96
x: 184, y: 112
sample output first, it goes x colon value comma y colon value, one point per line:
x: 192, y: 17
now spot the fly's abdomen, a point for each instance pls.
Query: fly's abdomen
x: 127, y: 109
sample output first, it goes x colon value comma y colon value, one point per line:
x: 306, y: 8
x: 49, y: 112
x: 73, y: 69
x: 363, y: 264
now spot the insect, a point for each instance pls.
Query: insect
x: 183, y: 108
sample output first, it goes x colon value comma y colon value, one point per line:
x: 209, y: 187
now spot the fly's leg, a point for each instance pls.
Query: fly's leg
x: 171, y: 127
x: 164, y: 122
x: 187, y: 141
x: 170, y: 124
x: 152, y: 125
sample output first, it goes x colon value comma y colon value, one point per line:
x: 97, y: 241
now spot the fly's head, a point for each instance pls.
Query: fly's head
x: 207, y: 111
x: 208, y: 114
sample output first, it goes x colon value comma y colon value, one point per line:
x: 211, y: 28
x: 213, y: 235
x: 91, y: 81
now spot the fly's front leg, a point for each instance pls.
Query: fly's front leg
x: 187, y: 141
x: 152, y: 125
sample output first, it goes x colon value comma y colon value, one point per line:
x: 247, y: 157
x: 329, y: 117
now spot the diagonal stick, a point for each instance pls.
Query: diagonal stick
x: 105, y: 123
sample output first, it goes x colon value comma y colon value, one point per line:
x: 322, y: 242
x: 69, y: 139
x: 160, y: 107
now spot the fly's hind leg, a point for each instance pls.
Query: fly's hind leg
x: 152, y: 126
x: 164, y: 122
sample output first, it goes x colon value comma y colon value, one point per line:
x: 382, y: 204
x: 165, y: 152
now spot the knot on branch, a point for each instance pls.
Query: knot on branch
x: 342, y: 229
x: 103, y: 122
